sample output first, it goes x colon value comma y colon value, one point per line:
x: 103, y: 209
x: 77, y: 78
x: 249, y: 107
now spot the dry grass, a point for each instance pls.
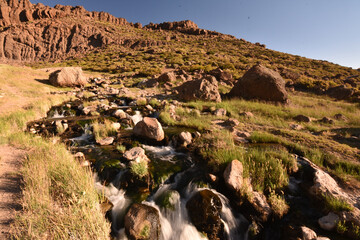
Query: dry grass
x: 59, y: 200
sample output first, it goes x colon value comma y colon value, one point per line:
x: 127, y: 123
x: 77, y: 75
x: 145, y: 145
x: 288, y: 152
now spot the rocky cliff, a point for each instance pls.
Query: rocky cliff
x: 30, y: 32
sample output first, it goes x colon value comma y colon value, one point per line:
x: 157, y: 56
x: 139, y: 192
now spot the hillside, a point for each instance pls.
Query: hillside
x: 174, y: 132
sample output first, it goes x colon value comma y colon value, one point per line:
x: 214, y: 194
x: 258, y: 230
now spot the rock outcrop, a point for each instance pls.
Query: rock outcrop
x: 200, y: 89
x: 68, y: 77
x: 260, y: 83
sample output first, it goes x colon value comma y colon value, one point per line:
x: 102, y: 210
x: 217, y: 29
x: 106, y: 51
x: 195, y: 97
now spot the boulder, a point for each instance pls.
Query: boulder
x: 68, y: 77
x: 105, y: 141
x: 167, y: 77
x: 204, y: 209
x: 326, y: 120
x: 329, y: 221
x: 260, y: 83
x: 258, y: 201
x: 136, y: 154
x: 205, y: 89
x: 220, y: 112
x: 120, y: 114
x: 340, y: 92
x: 142, y: 222
x: 308, y: 234
x: 148, y: 83
x: 149, y: 128
x: 233, y: 175
x: 246, y: 114
x: 340, y: 117
x: 302, y: 118
x: 222, y: 76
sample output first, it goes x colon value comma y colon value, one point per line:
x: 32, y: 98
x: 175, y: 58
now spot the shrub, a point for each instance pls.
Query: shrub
x: 139, y: 169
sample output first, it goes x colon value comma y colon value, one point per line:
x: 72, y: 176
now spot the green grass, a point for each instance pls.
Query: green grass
x: 336, y: 204
x: 103, y: 130
x: 139, y: 169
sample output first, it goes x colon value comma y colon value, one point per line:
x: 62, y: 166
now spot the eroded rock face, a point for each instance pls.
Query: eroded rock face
x: 142, y: 222
x: 68, y: 77
x: 201, y: 89
x: 204, y: 210
x: 260, y: 83
x: 149, y: 128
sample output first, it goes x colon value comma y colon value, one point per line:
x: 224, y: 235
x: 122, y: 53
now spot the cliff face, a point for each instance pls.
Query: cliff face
x: 36, y: 32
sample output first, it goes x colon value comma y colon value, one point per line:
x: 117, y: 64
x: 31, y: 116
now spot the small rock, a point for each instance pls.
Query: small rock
x: 220, y: 112
x: 120, y: 114
x: 302, y: 118
x: 243, y: 134
x: 185, y: 138
x: 212, y: 178
x: 136, y: 154
x: 258, y: 201
x: 196, y: 134
x: 116, y: 125
x: 296, y: 126
x: 167, y: 77
x: 106, y: 141
x: 246, y: 114
x: 329, y: 222
x: 340, y: 117
x: 232, y: 122
x: 308, y: 234
x: 149, y: 107
x: 327, y: 120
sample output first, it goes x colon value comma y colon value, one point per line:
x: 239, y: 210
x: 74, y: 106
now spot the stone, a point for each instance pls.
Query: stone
x: 204, y: 209
x: 243, y: 134
x: 185, y: 138
x: 296, y: 126
x: 220, y: 112
x: 302, y: 118
x: 120, y: 114
x: 200, y: 89
x: 308, y: 234
x: 260, y: 83
x: 233, y: 176
x: 149, y: 128
x: 326, y: 120
x: 105, y: 141
x: 340, y: 117
x: 116, y: 125
x: 232, y: 122
x: 167, y: 77
x: 68, y: 77
x: 329, y: 221
x: 258, y: 201
x: 340, y: 92
x: 246, y: 114
x: 222, y: 76
x: 142, y: 222
x: 136, y: 154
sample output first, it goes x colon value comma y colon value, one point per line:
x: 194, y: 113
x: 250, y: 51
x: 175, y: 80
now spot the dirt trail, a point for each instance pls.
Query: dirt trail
x: 10, y: 191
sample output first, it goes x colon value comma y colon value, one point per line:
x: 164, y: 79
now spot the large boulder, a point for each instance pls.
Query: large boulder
x: 205, y: 89
x: 260, y: 83
x: 142, y: 222
x: 68, y: 77
x: 340, y: 92
x: 204, y: 209
x: 233, y: 175
x: 167, y: 77
x: 149, y: 128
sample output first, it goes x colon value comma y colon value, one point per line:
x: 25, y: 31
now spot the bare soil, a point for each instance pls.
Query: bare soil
x: 10, y: 190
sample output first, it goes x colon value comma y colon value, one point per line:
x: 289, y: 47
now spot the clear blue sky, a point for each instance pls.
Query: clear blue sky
x: 320, y: 29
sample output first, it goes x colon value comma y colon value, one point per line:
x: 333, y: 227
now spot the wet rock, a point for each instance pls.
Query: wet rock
x: 326, y: 120
x: 329, y: 221
x: 142, y: 222
x: 120, y: 114
x: 233, y: 176
x: 185, y: 138
x: 105, y: 141
x: 260, y: 83
x: 149, y: 128
x: 204, y: 209
x: 302, y: 118
x: 169, y: 200
x: 258, y: 201
x: 200, y: 89
x: 308, y: 234
x: 220, y: 112
x: 68, y: 77
x: 136, y: 154
x: 167, y: 77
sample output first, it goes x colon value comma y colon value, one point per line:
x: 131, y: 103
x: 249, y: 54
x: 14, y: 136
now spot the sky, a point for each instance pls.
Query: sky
x: 319, y: 29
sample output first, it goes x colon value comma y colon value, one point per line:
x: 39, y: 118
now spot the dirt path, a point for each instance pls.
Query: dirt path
x: 10, y: 192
